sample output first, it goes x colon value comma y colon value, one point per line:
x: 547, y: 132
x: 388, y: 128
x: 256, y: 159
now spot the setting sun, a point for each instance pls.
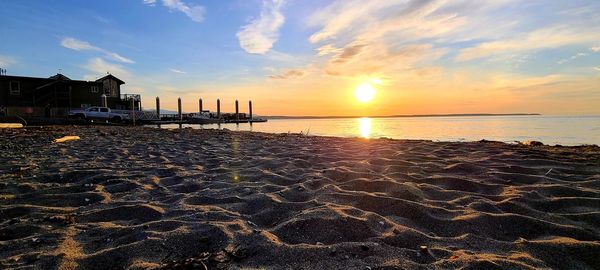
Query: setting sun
x: 364, y: 92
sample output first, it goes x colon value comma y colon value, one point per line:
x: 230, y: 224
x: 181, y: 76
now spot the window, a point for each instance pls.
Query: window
x: 103, y: 109
x: 95, y: 89
x: 93, y: 109
x: 15, y: 88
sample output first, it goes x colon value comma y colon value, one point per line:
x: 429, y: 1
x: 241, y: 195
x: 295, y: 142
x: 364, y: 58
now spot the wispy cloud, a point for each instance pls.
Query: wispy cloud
x: 119, y: 58
x: 6, y: 61
x: 261, y: 33
x: 177, y: 71
x: 596, y: 68
x: 376, y: 37
x: 327, y: 49
x: 289, y: 74
x: 545, y: 38
x: 79, y: 45
x: 595, y: 49
x: 98, y: 67
x: 577, y: 55
x: 194, y: 12
x: 356, y: 37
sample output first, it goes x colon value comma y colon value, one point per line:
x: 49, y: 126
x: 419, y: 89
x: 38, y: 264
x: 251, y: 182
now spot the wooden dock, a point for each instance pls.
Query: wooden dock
x: 203, y: 117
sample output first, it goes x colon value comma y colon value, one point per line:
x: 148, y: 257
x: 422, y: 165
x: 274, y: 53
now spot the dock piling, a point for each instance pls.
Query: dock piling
x: 200, y: 106
x: 218, y: 109
x: 237, y: 111
x: 179, y: 109
x: 250, y: 110
x: 158, y: 107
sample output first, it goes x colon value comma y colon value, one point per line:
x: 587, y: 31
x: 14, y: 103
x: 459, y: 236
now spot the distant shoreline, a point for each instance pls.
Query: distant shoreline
x: 401, y: 115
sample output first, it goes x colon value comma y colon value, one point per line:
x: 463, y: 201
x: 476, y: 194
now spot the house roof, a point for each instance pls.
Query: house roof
x: 59, y: 76
x: 110, y: 76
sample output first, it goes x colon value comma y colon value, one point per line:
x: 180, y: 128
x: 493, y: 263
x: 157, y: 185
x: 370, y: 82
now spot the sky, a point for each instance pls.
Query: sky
x: 307, y: 57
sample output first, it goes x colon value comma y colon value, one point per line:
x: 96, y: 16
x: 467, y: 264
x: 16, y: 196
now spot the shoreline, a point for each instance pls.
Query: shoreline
x: 515, y: 142
x: 404, y: 116
x: 148, y: 198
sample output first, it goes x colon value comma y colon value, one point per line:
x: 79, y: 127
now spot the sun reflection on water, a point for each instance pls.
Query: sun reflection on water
x: 364, y: 126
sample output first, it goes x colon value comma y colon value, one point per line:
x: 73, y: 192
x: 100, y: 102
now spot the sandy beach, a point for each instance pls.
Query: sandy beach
x: 147, y: 198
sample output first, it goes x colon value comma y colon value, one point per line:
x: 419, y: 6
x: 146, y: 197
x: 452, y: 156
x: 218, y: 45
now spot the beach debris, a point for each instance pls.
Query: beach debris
x: 364, y: 248
x: 521, y: 240
x: 533, y: 143
x: 237, y: 253
x: 11, y: 125
x: 7, y: 196
x: 548, y: 172
x: 319, y: 244
x: 423, y: 249
x: 67, y: 138
x: 206, y: 260
x: 59, y: 219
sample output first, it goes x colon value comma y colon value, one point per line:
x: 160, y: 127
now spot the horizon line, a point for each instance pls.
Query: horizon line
x: 398, y: 115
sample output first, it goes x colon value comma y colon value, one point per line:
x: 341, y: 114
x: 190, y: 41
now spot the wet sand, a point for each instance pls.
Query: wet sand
x: 144, y: 198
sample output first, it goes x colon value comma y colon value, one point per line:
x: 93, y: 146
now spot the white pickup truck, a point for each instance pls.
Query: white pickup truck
x: 98, y: 113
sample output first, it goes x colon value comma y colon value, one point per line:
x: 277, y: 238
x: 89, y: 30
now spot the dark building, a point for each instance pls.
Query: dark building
x: 55, y: 96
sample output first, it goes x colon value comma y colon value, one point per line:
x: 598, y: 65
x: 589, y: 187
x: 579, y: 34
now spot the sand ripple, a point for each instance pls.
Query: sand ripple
x: 134, y: 197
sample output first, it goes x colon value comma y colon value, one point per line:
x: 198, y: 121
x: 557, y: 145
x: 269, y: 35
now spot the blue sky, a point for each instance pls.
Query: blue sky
x: 306, y: 57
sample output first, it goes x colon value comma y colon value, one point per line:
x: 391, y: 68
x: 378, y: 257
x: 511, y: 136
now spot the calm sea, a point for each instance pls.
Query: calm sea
x: 564, y: 130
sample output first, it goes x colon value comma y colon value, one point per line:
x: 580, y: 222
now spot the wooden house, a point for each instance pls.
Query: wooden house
x: 56, y: 95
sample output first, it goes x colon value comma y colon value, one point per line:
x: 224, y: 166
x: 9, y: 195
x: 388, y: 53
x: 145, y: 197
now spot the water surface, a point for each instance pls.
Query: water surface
x: 564, y: 130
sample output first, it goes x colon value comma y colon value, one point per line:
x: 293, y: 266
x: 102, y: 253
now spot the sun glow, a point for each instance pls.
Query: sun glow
x: 364, y: 92
x: 364, y: 127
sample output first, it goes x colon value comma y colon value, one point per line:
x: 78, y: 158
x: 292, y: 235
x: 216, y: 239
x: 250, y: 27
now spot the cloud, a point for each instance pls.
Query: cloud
x: 545, y: 38
x: 289, y: 74
x: 379, y: 59
x: 348, y: 53
x: 577, y: 55
x: 260, y: 34
x: 119, y: 58
x: 98, y: 66
x: 6, y: 61
x: 194, y: 12
x: 362, y: 38
x: 79, y: 45
x: 384, y: 37
x: 595, y: 49
x: 327, y: 49
x: 597, y: 68
x: 177, y: 71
